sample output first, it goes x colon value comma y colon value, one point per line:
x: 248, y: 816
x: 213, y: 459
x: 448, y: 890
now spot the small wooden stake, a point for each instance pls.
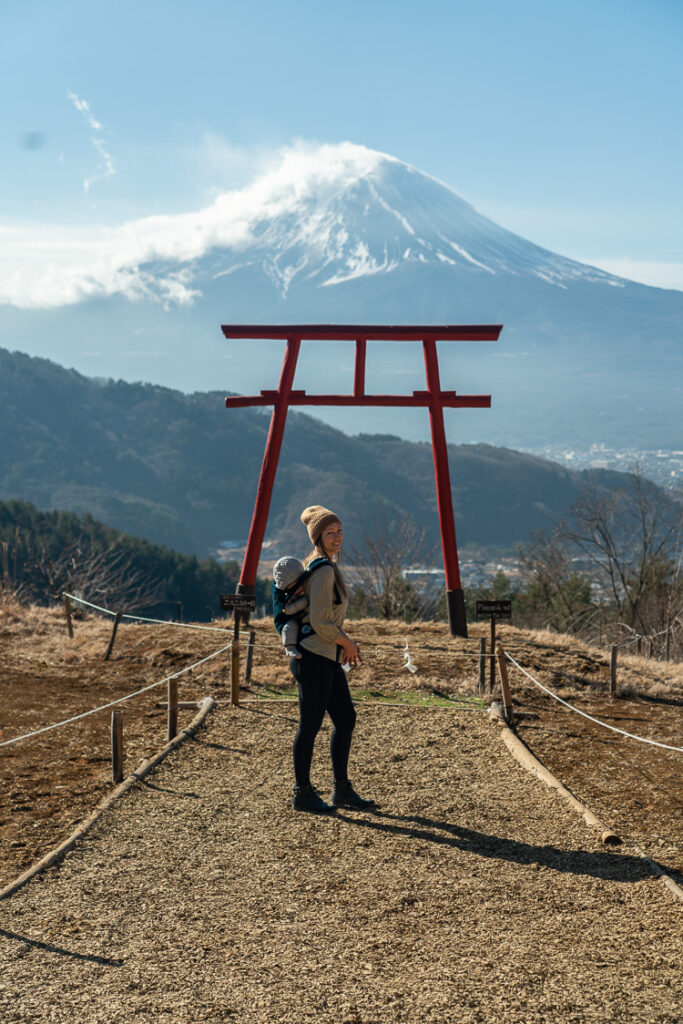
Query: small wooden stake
x: 613, y: 671
x: 650, y: 646
x: 505, y: 685
x: 67, y: 609
x: 492, y: 678
x: 172, y: 716
x: 482, y: 664
x: 116, y: 746
x: 250, y: 655
x: 235, y: 696
x: 117, y: 619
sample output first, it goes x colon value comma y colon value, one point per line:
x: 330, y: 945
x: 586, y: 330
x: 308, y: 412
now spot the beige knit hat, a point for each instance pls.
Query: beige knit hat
x: 315, y: 518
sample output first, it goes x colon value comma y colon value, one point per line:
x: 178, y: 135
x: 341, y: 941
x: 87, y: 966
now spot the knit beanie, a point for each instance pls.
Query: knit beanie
x: 315, y: 518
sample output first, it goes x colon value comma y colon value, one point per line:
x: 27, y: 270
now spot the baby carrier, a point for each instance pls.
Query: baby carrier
x: 282, y: 597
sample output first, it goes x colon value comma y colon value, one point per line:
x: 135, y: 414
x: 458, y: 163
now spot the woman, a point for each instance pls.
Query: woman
x: 321, y: 680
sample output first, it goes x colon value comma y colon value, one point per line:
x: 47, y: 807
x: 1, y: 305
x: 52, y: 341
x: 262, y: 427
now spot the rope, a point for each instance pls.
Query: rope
x: 141, y: 618
x: 119, y: 700
x: 613, y: 728
x: 181, y: 625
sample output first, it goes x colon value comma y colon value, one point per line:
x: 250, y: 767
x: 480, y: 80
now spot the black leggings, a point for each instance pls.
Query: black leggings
x: 322, y: 687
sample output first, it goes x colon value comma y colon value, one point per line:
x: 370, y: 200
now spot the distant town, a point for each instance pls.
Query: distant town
x: 664, y: 466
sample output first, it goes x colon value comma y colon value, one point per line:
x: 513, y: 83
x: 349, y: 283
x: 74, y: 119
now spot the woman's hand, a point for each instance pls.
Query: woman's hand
x: 351, y: 651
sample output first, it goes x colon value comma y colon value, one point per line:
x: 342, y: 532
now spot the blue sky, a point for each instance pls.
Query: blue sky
x: 560, y: 120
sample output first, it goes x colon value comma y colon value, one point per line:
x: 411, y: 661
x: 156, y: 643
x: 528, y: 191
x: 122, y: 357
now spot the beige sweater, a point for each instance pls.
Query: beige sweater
x: 326, y: 617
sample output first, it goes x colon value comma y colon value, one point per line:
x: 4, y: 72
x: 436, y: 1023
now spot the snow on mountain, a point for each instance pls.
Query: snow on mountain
x: 386, y: 216
x: 324, y: 216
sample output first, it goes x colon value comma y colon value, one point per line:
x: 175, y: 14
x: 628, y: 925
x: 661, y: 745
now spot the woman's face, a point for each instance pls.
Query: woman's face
x: 331, y: 539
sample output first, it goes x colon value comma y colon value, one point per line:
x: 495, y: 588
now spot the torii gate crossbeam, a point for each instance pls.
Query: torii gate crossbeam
x: 433, y: 399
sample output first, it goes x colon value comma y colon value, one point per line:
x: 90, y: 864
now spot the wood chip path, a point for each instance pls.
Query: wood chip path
x: 472, y: 895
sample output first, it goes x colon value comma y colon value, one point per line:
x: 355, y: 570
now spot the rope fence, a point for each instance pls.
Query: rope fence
x: 119, y: 700
x: 486, y: 659
x: 272, y: 644
x: 142, y: 618
x: 584, y: 714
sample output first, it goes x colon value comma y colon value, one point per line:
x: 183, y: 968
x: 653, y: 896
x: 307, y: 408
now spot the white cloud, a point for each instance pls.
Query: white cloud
x: 106, y: 167
x: 48, y: 266
x: 84, y: 108
x: 657, y: 274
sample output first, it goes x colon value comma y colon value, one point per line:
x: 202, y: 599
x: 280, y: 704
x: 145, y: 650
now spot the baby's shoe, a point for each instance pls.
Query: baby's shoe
x: 293, y: 652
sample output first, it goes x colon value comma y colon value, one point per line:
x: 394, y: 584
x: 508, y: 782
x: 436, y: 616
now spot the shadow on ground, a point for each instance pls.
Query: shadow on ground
x: 613, y: 866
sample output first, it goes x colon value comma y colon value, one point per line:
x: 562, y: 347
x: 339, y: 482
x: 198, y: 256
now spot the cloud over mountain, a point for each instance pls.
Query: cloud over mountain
x: 330, y: 213
x: 116, y: 263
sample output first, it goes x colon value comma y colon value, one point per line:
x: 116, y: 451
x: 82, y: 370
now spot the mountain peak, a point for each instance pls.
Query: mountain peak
x: 324, y: 215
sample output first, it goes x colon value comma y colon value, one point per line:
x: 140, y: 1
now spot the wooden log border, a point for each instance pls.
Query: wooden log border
x: 528, y: 760
x: 142, y: 770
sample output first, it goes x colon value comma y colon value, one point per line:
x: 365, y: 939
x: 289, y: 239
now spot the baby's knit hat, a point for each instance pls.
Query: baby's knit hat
x: 287, y: 571
x: 315, y: 518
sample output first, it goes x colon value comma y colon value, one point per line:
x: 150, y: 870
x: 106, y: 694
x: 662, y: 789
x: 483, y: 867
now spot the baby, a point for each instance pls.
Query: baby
x: 289, y: 601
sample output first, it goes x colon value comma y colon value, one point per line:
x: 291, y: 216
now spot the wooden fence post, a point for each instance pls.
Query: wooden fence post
x: 67, y: 609
x: 110, y: 648
x: 650, y: 646
x: 172, y: 714
x: 235, y: 697
x: 613, y: 671
x: 116, y: 746
x: 639, y: 644
x: 492, y: 677
x: 482, y: 664
x: 505, y: 686
x: 250, y: 655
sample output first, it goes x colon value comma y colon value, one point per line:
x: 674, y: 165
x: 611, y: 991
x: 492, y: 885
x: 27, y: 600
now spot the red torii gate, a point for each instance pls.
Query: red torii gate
x: 433, y: 399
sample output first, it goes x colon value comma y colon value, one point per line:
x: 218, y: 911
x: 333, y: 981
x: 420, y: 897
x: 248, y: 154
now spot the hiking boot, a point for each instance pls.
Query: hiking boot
x: 344, y: 795
x: 306, y: 799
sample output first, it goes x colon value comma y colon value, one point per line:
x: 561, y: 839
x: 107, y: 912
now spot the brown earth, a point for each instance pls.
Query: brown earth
x: 473, y: 888
x: 50, y: 782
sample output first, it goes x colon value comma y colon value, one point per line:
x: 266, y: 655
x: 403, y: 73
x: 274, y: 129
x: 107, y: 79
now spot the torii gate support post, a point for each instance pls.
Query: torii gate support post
x: 455, y: 599
x: 271, y: 457
x: 434, y: 399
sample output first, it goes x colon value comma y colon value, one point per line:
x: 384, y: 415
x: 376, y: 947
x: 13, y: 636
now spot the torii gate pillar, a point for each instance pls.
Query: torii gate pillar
x: 434, y: 399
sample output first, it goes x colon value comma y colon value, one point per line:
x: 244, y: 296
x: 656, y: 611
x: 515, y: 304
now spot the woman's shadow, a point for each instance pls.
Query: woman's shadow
x: 614, y: 867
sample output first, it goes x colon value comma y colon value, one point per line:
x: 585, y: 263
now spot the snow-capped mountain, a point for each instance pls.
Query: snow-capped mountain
x: 346, y: 234
x: 386, y: 216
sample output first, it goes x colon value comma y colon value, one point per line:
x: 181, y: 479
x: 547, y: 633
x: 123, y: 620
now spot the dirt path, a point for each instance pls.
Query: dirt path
x: 474, y: 894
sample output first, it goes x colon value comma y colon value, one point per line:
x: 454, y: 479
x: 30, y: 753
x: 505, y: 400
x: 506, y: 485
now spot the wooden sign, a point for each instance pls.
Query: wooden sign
x: 494, y: 609
x: 238, y: 603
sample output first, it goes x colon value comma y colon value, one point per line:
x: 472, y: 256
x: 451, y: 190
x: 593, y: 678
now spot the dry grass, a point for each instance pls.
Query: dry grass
x: 638, y: 676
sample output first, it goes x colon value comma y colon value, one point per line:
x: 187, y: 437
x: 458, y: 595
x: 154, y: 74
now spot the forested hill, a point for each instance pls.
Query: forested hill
x: 45, y: 553
x: 181, y: 470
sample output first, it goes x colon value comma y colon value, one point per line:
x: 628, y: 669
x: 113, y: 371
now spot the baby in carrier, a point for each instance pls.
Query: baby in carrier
x: 289, y: 601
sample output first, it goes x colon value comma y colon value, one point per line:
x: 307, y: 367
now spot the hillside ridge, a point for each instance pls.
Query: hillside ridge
x: 181, y: 470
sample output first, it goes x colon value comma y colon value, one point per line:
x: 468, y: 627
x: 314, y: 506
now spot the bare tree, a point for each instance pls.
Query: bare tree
x: 106, y: 575
x: 379, y: 566
x: 554, y: 592
x: 12, y: 589
x: 627, y: 544
x: 631, y: 539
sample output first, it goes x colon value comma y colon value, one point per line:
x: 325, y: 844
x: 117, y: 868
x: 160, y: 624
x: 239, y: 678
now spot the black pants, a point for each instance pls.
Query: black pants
x: 322, y: 687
